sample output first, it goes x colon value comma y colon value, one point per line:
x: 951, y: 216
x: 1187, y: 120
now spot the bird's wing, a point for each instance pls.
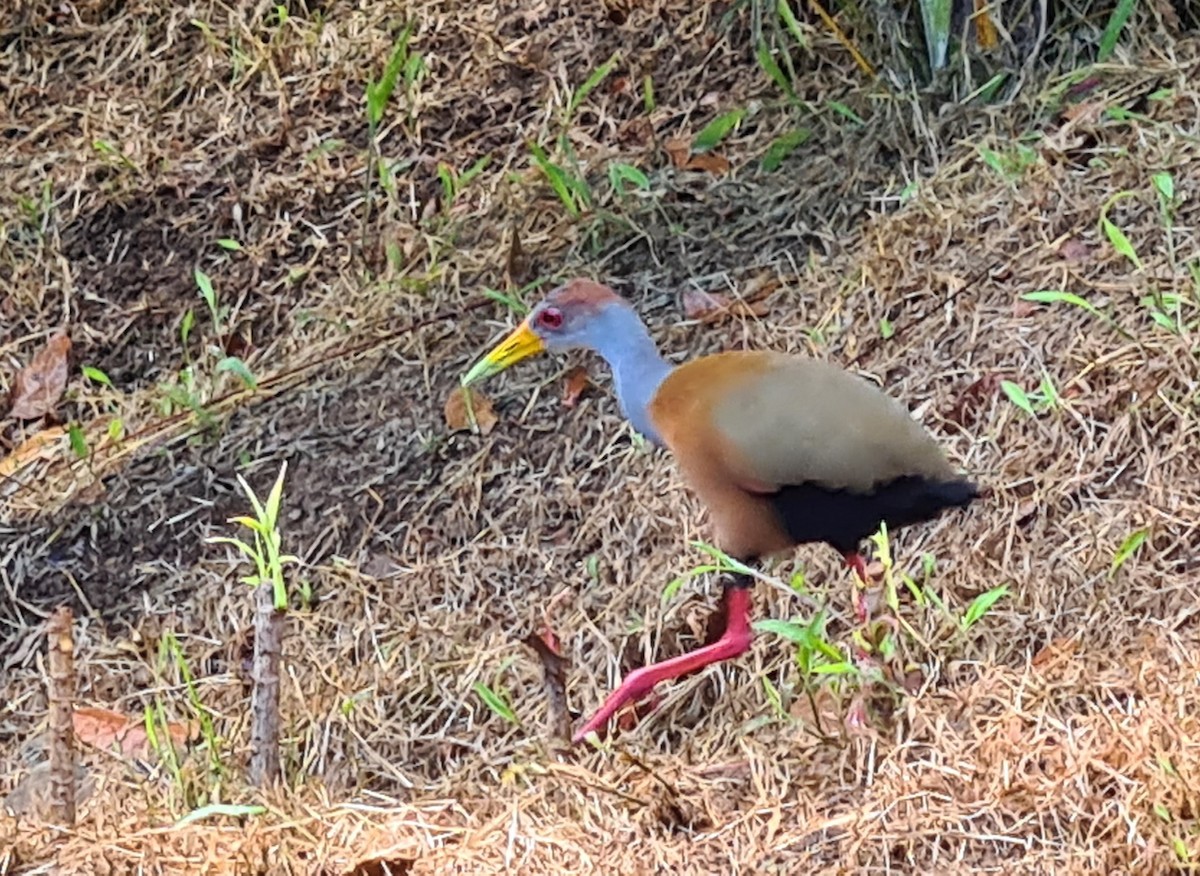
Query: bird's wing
x: 770, y: 420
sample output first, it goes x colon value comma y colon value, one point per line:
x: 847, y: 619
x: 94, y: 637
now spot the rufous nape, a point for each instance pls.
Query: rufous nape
x: 783, y: 450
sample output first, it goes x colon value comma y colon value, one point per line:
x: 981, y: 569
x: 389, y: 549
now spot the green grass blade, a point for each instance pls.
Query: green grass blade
x: 717, y: 130
x: 1112, y: 30
x: 1128, y: 548
x: 589, y: 85
x: 982, y: 604
x: 1018, y: 396
x: 783, y: 146
x: 495, y: 702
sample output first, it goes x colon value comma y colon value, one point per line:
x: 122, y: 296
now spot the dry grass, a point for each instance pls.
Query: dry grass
x: 1058, y: 735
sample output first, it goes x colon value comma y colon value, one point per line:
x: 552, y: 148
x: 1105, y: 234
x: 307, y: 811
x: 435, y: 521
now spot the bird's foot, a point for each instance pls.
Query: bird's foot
x: 734, y: 641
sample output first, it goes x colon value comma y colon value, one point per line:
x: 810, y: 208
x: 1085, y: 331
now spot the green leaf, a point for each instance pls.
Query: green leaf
x: 1112, y: 31
x: 1017, y: 396
x: 78, y: 440
x: 767, y: 61
x: 783, y: 146
x: 204, y: 282
x: 886, y: 330
x: 717, y: 130
x: 1128, y: 548
x: 116, y: 429
x: 791, y: 23
x: 935, y: 16
x: 96, y: 375
x: 800, y: 634
x: 589, y: 85
x: 1119, y: 241
x: 648, y: 94
x: 846, y: 112
x: 378, y: 93
x: 1165, y: 184
x: 843, y: 667
x: 557, y: 178
x: 234, y: 365
x: 214, y: 809
x: 185, y: 326
x: 1054, y: 296
x: 619, y: 172
x: 495, y: 702
x: 983, y: 603
x: 773, y: 697
x: 229, y: 243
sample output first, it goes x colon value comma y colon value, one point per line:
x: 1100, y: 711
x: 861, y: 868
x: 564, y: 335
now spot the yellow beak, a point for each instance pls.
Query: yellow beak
x: 521, y: 344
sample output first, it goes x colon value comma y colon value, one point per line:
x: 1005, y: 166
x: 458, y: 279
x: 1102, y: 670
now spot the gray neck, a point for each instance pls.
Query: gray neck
x: 638, y: 369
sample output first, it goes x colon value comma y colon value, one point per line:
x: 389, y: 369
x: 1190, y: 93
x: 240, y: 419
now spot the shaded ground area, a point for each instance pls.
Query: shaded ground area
x: 899, y: 237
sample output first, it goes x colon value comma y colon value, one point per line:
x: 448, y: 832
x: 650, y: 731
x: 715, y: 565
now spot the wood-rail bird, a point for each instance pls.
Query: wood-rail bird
x: 783, y: 450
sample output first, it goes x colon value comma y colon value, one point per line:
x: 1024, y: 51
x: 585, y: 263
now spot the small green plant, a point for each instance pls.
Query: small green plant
x: 717, y: 130
x: 1112, y: 31
x: 1012, y: 164
x: 453, y: 182
x: 783, y: 146
x: 571, y: 188
x: 265, y: 551
x: 1116, y: 237
x: 496, y: 702
x: 1128, y: 548
x: 1033, y: 403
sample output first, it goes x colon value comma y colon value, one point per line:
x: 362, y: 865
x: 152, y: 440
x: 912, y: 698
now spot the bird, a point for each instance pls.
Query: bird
x: 784, y: 450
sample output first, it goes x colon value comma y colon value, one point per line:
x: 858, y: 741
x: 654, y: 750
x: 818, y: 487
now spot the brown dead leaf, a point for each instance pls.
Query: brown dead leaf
x: 554, y: 679
x: 574, y: 384
x: 966, y: 407
x: 40, y: 384
x: 709, y: 162
x: 1022, y: 309
x: 1075, y: 250
x: 679, y: 150
x: 112, y: 731
x: 1055, y: 650
x: 516, y: 263
x: 467, y: 409
x: 714, y: 306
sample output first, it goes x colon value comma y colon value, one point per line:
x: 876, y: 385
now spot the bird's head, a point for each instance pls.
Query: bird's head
x: 571, y: 316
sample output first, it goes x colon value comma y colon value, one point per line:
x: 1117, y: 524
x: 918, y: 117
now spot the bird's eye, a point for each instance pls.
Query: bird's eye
x: 551, y: 318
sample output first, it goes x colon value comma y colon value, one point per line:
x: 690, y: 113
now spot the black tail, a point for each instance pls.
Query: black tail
x: 843, y: 518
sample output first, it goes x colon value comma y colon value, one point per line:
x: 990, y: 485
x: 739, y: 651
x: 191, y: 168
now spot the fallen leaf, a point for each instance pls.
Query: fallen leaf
x: 469, y: 409
x: 1062, y: 646
x: 619, y: 85
x: 678, y: 149
x: 713, y: 306
x: 554, y: 679
x: 635, y: 132
x: 1075, y: 250
x: 516, y: 263
x: 710, y: 162
x: 112, y: 731
x: 1023, y: 309
x: 964, y: 409
x: 574, y: 385
x: 40, y: 384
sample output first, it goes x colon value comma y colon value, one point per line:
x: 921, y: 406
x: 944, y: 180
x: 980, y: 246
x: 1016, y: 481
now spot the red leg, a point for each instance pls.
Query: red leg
x: 734, y: 641
x: 855, y: 561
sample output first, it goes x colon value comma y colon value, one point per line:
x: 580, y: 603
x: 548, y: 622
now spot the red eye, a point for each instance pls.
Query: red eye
x: 551, y: 318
